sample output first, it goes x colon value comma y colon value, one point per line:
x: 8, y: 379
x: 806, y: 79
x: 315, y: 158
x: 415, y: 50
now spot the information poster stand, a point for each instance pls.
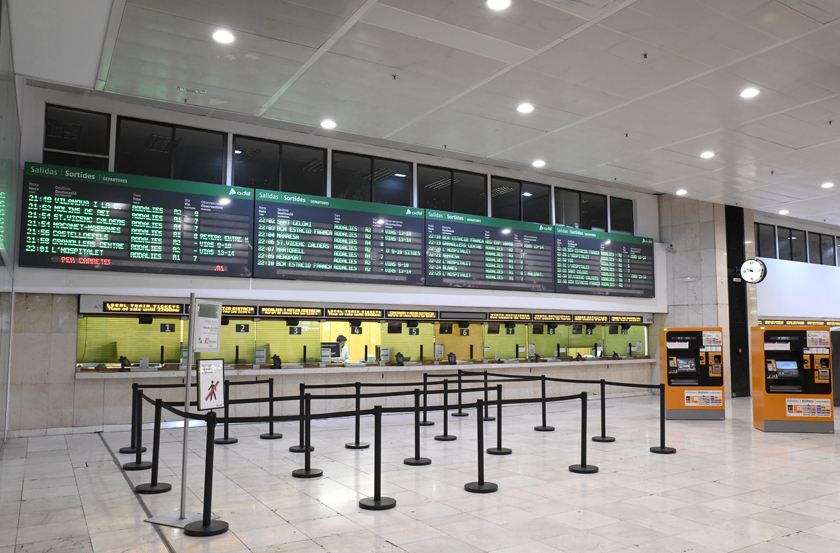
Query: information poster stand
x: 211, y: 380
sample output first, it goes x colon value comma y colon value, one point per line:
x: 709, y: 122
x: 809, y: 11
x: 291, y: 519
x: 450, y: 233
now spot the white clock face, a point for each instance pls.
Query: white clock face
x: 753, y: 271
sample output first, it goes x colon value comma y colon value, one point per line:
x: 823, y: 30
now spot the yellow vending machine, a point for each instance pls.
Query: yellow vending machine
x: 791, y: 379
x: 692, y: 370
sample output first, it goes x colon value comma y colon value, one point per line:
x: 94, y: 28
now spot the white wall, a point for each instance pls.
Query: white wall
x: 799, y: 290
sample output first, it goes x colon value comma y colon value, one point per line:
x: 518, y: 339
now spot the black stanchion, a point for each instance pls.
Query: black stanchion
x: 460, y: 413
x: 154, y: 486
x: 487, y: 416
x: 138, y: 463
x: 583, y: 468
x: 499, y: 450
x: 425, y: 421
x: 357, y: 444
x: 226, y: 440
x: 603, y: 437
x: 207, y: 526
x: 307, y: 471
x: 417, y: 461
x: 445, y: 437
x: 543, y: 427
x: 300, y: 448
x: 481, y: 486
x: 662, y: 449
x: 130, y: 447
x: 271, y: 435
x: 377, y: 502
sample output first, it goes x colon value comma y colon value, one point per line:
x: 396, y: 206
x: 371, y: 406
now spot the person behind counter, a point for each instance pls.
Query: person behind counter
x: 342, y: 346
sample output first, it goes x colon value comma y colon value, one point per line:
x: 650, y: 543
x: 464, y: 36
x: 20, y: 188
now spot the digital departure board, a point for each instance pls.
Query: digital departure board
x: 316, y: 238
x: 480, y: 252
x: 592, y: 262
x: 94, y: 220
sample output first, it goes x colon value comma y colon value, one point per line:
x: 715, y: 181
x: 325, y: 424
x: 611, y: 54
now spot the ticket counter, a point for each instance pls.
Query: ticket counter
x: 691, y: 361
x: 791, y: 379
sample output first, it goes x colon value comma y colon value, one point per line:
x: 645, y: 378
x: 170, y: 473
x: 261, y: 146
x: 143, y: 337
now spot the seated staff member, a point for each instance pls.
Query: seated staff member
x: 342, y: 346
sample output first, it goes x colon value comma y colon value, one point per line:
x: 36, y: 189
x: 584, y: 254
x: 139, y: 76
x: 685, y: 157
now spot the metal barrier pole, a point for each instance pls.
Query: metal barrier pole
x: 307, y: 471
x: 154, y: 486
x: 425, y: 421
x: 499, y: 450
x: 417, y: 461
x: 481, y: 486
x: 227, y: 439
x: 377, y: 502
x: 300, y: 448
x: 130, y: 448
x: 583, y: 468
x: 662, y: 449
x: 445, y: 437
x: 460, y: 413
x: 487, y: 416
x: 357, y: 444
x: 544, y: 427
x: 271, y: 434
x: 138, y: 463
x: 603, y: 437
x: 207, y: 526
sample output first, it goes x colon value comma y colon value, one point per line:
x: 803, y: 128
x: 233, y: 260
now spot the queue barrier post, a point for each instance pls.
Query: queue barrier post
x: 138, y: 463
x: 307, y: 471
x: 499, y: 450
x: 417, y: 461
x: 207, y: 526
x: 481, y: 486
x: 377, y: 502
x: 603, y: 438
x: 154, y: 486
x: 662, y: 449
x: 446, y: 436
x: 271, y: 435
x: 425, y: 421
x: 131, y: 446
x: 226, y: 440
x: 460, y: 413
x: 357, y: 444
x: 301, y: 447
x: 583, y: 468
x: 487, y: 416
x: 543, y: 427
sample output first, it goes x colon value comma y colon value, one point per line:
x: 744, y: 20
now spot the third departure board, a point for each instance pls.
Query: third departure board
x: 83, y: 219
x: 315, y: 238
x: 480, y: 252
x: 592, y: 262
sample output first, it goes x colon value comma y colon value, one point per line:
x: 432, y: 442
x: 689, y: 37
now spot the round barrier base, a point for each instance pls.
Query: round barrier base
x: 360, y: 445
x: 427, y: 423
x: 489, y: 419
x: 142, y: 465
x: 583, y: 469
x: 129, y: 449
x: 197, y: 528
x: 603, y: 439
x: 417, y: 461
x: 270, y: 436
x: 544, y: 428
x: 160, y: 487
x: 663, y: 450
x: 475, y: 487
x: 301, y: 448
x: 371, y: 504
x: 460, y: 414
x: 499, y: 451
x: 311, y: 473
x: 225, y: 441
x: 446, y: 438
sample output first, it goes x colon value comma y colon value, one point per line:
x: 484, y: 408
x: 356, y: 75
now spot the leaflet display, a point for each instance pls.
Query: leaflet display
x: 593, y: 262
x: 480, y: 252
x: 94, y: 220
x: 317, y: 238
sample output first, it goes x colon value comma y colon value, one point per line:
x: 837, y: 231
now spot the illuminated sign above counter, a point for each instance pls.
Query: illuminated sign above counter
x: 626, y: 319
x: 239, y: 310
x: 144, y: 308
x: 270, y: 311
x: 552, y: 318
x: 355, y: 313
x: 424, y: 315
x: 510, y: 316
x: 591, y: 318
x: 795, y: 322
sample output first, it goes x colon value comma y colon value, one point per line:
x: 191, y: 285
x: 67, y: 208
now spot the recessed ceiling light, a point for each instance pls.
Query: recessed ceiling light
x: 682, y: 192
x: 498, y: 4
x: 328, y: 124
x: 400, y: 175
x: 784, y: 212
x: 750, y: 92
x: 538, y: 163
x: 223, y: 36
x: 707, y: 155
x: 237, y: 152
x: 525, y: 108
x: 827, y: 185
x: 527, y: 194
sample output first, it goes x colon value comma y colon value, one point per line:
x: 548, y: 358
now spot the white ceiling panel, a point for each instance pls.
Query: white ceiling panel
x: 502, y: 107
x: 823, y: 11
x: 768, y: 16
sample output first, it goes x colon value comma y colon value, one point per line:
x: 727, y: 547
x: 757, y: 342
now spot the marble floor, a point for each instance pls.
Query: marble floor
x: 729, y: 488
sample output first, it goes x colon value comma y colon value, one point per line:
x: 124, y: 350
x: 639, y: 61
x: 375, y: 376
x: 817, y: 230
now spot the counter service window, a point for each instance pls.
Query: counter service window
x: 765, y: 236
x: 365, y: 178
x: 621, y: 215
x: 76, y: 138
x: 821, y: 249
x: 792, y: 245
x: 448, y: 190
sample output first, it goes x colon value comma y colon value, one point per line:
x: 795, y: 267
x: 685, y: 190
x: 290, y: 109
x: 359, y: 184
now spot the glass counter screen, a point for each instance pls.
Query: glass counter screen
x: 787, y: 368
x: 686, y: 365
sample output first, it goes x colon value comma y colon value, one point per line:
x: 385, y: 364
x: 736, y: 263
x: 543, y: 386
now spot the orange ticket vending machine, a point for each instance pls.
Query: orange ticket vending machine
x: 692, y: 370
x: 791, y: 379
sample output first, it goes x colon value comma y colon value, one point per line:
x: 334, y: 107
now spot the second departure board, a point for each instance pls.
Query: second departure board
x: 84, y: 219
x: 592, y: 262
x: 480, y: 252
x: 316, y: 238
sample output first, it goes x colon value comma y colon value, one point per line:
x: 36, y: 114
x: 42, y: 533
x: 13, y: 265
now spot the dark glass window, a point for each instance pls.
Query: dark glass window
x: 765, y: 236
x: 814, y: 248
x: 828, y: 257
x: 798, y: 246
x: 391, y: 182
x: 198, y: 156
x: 76, y: 138
x: 784, y: 243
x: 536, y: 203
x: 593, y: 211
x: 469, y: 194
x: 506, y: 197
x: 567, y: 207
x: 256, y: 163
x: 78, y: 161
x: 304, y: 170
x: 621, y: 215
x: 434, y: 188
x: 351, y: 176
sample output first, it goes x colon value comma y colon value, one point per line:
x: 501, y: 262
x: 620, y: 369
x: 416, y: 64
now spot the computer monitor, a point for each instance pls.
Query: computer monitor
x: 335, y: 351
